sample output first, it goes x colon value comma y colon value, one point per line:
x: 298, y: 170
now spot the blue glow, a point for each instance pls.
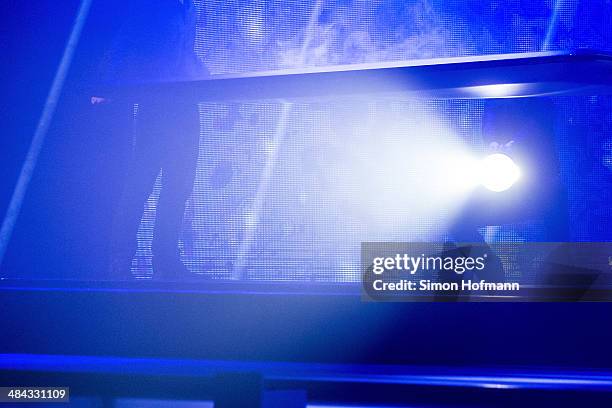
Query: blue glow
x: 44, y: 122
x: 286, y: 191
x: 438, y: 376
x: 309, y: 181
x: 552, y: 25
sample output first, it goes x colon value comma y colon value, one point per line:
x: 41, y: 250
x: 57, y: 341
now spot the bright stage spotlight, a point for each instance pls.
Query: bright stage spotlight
x: 498, y: 172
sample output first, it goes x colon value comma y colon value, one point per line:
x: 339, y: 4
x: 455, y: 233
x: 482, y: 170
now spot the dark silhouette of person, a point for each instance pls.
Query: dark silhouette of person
x: 155, y: 43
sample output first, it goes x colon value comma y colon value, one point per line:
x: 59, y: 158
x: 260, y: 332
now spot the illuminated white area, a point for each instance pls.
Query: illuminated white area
x: 497, y: 386
x: 498, y: 172
x: 399, y: 169
x: 461, y: 173
x: 497, y: 90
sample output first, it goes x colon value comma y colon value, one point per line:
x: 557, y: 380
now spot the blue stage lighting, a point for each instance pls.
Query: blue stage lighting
x: 498, y: 172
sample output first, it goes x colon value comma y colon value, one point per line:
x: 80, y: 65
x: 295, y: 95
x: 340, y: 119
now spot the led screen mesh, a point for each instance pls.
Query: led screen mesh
x: 287, y: 191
